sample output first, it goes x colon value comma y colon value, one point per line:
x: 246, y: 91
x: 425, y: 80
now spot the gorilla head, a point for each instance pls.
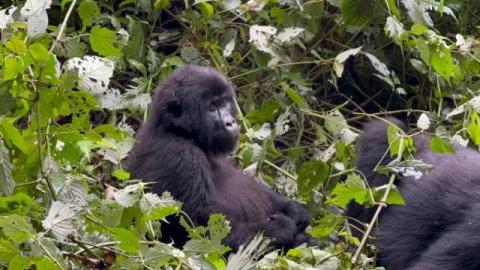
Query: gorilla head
x: 197, y: 103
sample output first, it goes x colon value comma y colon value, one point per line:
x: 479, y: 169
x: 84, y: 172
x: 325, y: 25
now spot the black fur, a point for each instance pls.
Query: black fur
x: 438, y: 227
x: 183, y: 148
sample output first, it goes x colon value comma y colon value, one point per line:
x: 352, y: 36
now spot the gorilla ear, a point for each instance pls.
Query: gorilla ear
x: 175, y: 108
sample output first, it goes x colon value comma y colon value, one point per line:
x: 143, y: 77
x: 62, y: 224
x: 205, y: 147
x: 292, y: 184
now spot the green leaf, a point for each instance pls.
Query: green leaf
x: 161, y: 4
x: 16, y: 45
x: 353, y: 189
x: 12, y: 68
x: 7, y: 102
x: 121, y: 174
x: 39, y: 52
x: 392, y: 6
x: 7, y: 183
x: 135, y: 48
x: 442, y: 62
x: 294, y: 95
x: 12, y: 135
x: 19, y: 262
x: 395, y: 197
x: 419, y: 29
x: 474, y: 128
x: 218, y: 228
x: 393, y: 134
x: 102, y: 41
x: 46, y: 264
x: 128, y: 240
x: 326, y: 225
x: 358, y: 12
x: 16, y: 228
x: 162, y: 212
x: 87, y: 10
x: 439, y: 145
x: 7, y: 251
x: 311, y: 175
x: 206, y: 9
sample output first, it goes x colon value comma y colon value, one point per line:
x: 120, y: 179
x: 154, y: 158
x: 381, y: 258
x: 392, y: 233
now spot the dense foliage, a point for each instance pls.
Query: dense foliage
x: 76, y: 78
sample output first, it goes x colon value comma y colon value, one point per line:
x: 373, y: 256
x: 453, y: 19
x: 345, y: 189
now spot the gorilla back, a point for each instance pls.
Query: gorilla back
x: 183, y: 148
x: 438, y: 226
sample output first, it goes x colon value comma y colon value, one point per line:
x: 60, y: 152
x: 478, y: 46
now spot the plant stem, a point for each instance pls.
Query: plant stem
x: 381, y: 205
x: 64, y: 25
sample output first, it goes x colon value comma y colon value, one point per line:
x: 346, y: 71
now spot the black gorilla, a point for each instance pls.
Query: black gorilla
x: 183, y: 148
x: 438, y: 227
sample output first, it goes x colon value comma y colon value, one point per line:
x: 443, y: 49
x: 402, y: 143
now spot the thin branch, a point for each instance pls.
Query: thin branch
x: 39, y: 135
x: 381, y: 205
x: 64, y: 25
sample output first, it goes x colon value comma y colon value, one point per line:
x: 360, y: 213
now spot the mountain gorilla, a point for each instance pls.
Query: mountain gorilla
x: 183, y: 148
x: 439, y: 226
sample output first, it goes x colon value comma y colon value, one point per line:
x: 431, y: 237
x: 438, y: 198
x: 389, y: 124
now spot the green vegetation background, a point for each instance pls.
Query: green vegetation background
x: 75, y: 83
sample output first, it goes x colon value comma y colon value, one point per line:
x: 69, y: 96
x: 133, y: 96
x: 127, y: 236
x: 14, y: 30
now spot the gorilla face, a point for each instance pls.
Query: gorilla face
x: 223, y: 124
x: 197, y: 103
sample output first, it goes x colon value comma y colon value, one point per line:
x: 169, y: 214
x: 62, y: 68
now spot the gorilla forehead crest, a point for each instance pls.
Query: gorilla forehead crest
x: 205, y: 81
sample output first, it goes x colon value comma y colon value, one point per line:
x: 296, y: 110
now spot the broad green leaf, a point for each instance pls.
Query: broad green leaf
x: 161, y: 4
x: 135, y: 48
x: 12, y: 135
x: 7, y: 102
x: 19, y: 262
x: 162, y: 212
x: 128, y: 240
x: 294, y: 95
x: 343, y: 194
x: 102, y: 40
x: 7, y: 251
x: 218, y: 228
x: 439, y: 145
x: 16, y: 228
x: 17, y: 45
x: 46, y: 264
x: 39, y: 52
x: 442, y: 61
x: 312, y: 174
x: 393, y: 134
x: 7, y: 183
x: 121, y: 174
x: 12, y: 68
x: 392, y: 6
x: 474, y: 128
x: 326, y: 225
x: 87, y: 10
x: 419, y: 29
x: 395, y: 197
x: 206, y: 9
x: 358, y: 12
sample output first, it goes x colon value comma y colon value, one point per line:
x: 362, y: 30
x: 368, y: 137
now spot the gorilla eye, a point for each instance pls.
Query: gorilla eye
x: 213, y: 106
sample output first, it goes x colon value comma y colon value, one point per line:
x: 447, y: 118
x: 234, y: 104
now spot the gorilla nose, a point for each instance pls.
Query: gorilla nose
x: 232, y: 125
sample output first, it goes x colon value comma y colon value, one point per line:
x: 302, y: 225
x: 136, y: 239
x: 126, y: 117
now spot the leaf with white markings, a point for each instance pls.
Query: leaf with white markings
x: 60, y: 220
